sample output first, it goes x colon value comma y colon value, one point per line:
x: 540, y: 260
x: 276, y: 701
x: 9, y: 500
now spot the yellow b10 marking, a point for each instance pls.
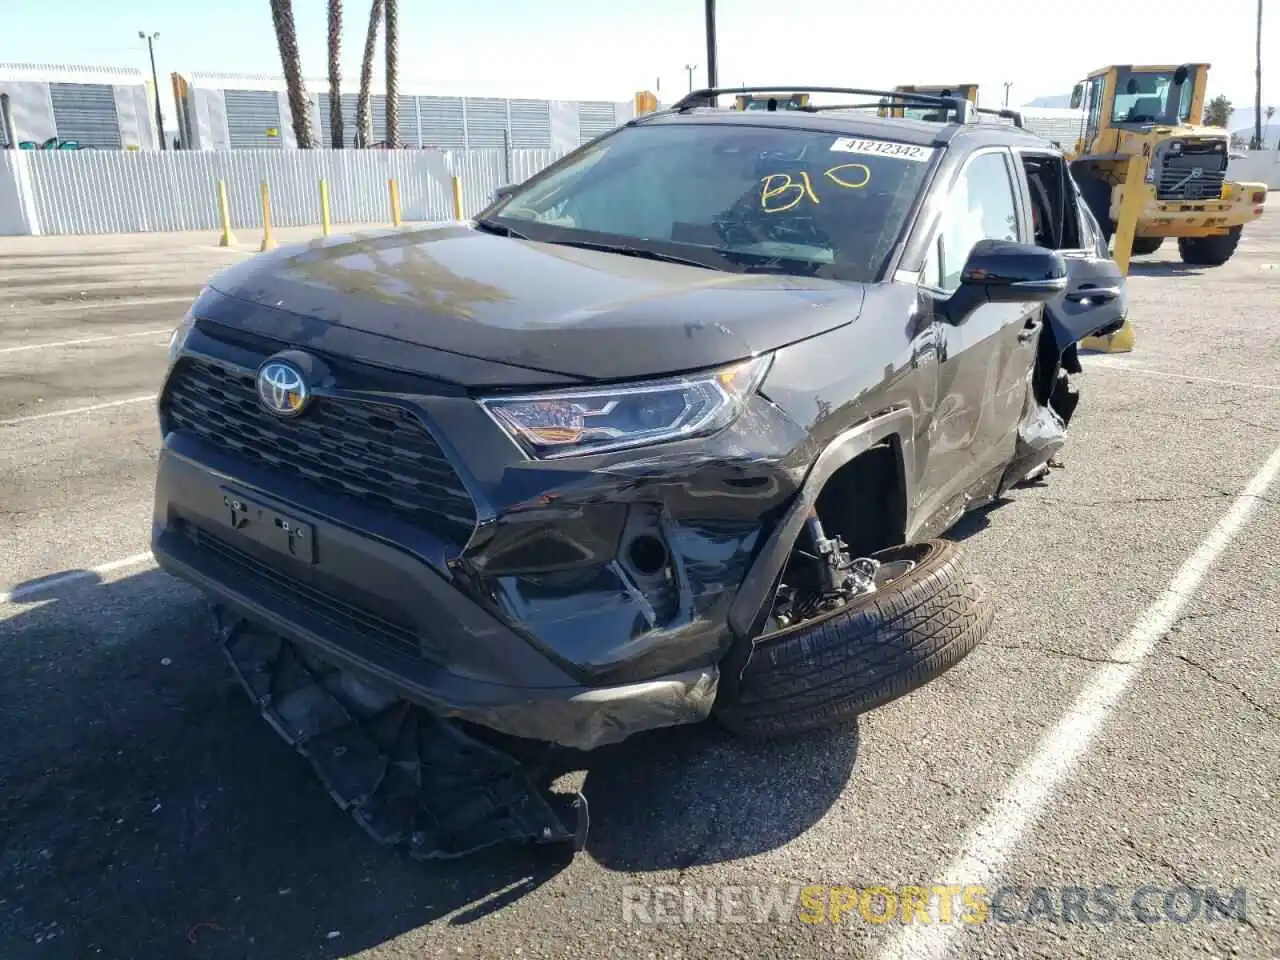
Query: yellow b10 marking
x: 779, y: 197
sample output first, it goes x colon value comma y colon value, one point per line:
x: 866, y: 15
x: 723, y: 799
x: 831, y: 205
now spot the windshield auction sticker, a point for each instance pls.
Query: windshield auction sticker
x: 883, y: 148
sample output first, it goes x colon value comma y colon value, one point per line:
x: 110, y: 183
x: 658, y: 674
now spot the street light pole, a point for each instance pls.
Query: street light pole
x: 155, y: 82
x: 689, y: 68
x: 1006, y: 94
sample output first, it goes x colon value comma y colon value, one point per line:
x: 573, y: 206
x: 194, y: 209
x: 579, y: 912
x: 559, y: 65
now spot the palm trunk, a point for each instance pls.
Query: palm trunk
x: 337, y: 135
x: 364, y: 123
x: 291, y: 61
x: 1257, y: 88
x: 393, y: 79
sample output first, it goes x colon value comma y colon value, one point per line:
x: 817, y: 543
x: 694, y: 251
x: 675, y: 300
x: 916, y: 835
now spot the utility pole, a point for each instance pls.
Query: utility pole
x: 689, y: 68
x: 1006, y: 94
x: 712, y: 73
x: 155, y: 82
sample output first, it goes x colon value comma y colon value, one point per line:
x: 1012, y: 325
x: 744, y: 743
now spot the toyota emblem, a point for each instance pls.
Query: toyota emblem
x: 282, y: 389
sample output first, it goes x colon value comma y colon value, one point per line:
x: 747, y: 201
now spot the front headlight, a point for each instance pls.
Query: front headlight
x: 178, y: 339
x: 568, y: 423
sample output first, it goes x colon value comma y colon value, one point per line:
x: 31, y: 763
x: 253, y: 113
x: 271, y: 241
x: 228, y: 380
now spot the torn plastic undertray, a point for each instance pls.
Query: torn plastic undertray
x: 410, y: 779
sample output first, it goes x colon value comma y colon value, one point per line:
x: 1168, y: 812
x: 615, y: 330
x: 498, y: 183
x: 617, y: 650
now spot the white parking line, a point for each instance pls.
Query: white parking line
x: 72, y: 343
x: 75, y: 410
x: 35, y: 589
x: 991, y: 842
x: 1130, y: 366
x: 17, y: 307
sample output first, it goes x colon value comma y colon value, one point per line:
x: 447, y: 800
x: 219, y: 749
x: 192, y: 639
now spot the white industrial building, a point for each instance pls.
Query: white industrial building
x: 239, y: 112
x: 106, y: 108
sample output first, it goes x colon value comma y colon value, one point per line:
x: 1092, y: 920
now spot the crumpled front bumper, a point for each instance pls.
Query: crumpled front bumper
x: 361, y: 600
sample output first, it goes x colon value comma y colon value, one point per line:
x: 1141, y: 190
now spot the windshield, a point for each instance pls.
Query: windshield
x: 731, y: 197
x: 1151, y: 97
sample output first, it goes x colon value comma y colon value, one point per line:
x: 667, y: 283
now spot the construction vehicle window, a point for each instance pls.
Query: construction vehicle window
x: 1145, y: 97
x: 1095, y: 105
x: 981, y: 206
x: 739, y: 199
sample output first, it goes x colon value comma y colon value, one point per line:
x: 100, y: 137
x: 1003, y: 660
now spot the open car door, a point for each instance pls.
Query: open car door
x: 1095, y: 302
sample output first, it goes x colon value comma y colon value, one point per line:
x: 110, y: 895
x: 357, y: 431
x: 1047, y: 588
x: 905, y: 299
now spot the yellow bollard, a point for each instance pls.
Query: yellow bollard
x: 268, y: 241
x: 224, y: 215
x: 326, y: 227
x: 1122, y: 340
x: 395, y: 201
x: 457, y: 198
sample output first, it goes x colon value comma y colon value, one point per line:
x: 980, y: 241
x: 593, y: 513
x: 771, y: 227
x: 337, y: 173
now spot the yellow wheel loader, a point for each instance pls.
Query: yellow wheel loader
x: 969, y: 91
x: 1156, y: 112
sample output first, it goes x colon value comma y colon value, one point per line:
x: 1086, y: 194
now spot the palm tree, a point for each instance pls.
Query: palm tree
x: 364, y: 125
x: 393, y: 78
x: 291, y: 60
x: 336, y: 136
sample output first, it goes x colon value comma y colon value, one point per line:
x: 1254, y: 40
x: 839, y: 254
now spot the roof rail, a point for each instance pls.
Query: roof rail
x: 707, y: 98
x: 1013, y: 115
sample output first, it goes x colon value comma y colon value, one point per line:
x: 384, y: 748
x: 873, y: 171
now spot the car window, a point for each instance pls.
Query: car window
x: 981, y: 206
x: 743, y: 198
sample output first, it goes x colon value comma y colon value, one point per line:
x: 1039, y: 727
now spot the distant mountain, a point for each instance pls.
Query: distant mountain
x: 1055, y: 101
x: 1241, y: 117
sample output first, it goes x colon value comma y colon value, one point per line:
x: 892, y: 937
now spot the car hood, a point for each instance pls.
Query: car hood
x: 541, y: 307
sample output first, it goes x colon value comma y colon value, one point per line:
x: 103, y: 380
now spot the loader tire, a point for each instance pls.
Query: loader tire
x: 1145, y: 245
x: 879, y: 647
x: 1209, y: 251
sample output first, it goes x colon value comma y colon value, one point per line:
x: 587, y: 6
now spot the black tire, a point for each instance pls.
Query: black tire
x: 1145, y: 245
x: 822, y: 672
x: 1097, y: 197
x: 1209, y: 251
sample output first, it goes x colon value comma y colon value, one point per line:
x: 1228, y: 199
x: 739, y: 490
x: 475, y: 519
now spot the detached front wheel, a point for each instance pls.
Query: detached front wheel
x: 924, y: 616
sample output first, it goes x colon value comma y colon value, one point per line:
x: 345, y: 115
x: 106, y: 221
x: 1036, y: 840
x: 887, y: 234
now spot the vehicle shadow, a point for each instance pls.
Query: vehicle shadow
x: 1163, y: 268
x: 148, y: 810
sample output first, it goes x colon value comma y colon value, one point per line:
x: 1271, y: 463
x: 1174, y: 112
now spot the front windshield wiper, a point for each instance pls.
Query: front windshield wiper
x: 639, y: 252
x: 501, y: 229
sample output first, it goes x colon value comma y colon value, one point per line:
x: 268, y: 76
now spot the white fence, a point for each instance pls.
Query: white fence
x: 90, y: 191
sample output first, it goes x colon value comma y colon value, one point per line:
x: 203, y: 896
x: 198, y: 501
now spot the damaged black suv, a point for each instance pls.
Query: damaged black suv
x: 667, y: 432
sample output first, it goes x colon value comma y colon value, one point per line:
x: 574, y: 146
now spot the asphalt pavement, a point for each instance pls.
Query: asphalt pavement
x: 1119, y: 729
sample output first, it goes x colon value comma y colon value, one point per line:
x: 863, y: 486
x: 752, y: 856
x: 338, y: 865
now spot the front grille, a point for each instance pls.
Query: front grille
x: 375, y: 454
x: 353, y: 618
x: 1192, y: 176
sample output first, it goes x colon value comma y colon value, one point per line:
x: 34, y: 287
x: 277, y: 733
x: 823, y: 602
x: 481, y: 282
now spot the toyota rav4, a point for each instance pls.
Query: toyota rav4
x: 669, y: 431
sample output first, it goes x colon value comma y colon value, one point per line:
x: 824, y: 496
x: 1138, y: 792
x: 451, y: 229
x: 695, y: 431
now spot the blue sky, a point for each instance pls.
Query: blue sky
x: 591, y: 49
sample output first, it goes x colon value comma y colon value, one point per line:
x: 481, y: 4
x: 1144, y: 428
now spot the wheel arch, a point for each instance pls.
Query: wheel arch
x: 888, y: 438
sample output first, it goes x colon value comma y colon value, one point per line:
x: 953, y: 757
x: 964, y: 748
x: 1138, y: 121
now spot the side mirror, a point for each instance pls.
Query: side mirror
x: 1077, y: 96
x: 1001, y: 271
x: 505, y: 191
x: 1180, y: 76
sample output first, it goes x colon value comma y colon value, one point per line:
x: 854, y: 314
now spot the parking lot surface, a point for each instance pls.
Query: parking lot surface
x: 1120, y: 727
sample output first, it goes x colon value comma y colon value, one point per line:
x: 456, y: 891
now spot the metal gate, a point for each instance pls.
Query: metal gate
x: 86, y: 113
x: 252, y: 118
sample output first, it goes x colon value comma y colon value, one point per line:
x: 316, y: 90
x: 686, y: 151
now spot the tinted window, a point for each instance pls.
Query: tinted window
x: 982, y: 205
x: 739, y: 198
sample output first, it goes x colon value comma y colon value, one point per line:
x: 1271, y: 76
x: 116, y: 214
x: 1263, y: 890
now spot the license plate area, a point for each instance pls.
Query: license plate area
x: 277, y: 531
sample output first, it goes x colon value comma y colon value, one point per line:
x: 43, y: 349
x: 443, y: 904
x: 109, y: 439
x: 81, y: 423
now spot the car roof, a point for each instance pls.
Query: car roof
x: 862, y: 124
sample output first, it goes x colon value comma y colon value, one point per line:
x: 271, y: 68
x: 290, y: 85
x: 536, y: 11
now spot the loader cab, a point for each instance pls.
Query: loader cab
x: 968, y: 91
x: 1136, y: 98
